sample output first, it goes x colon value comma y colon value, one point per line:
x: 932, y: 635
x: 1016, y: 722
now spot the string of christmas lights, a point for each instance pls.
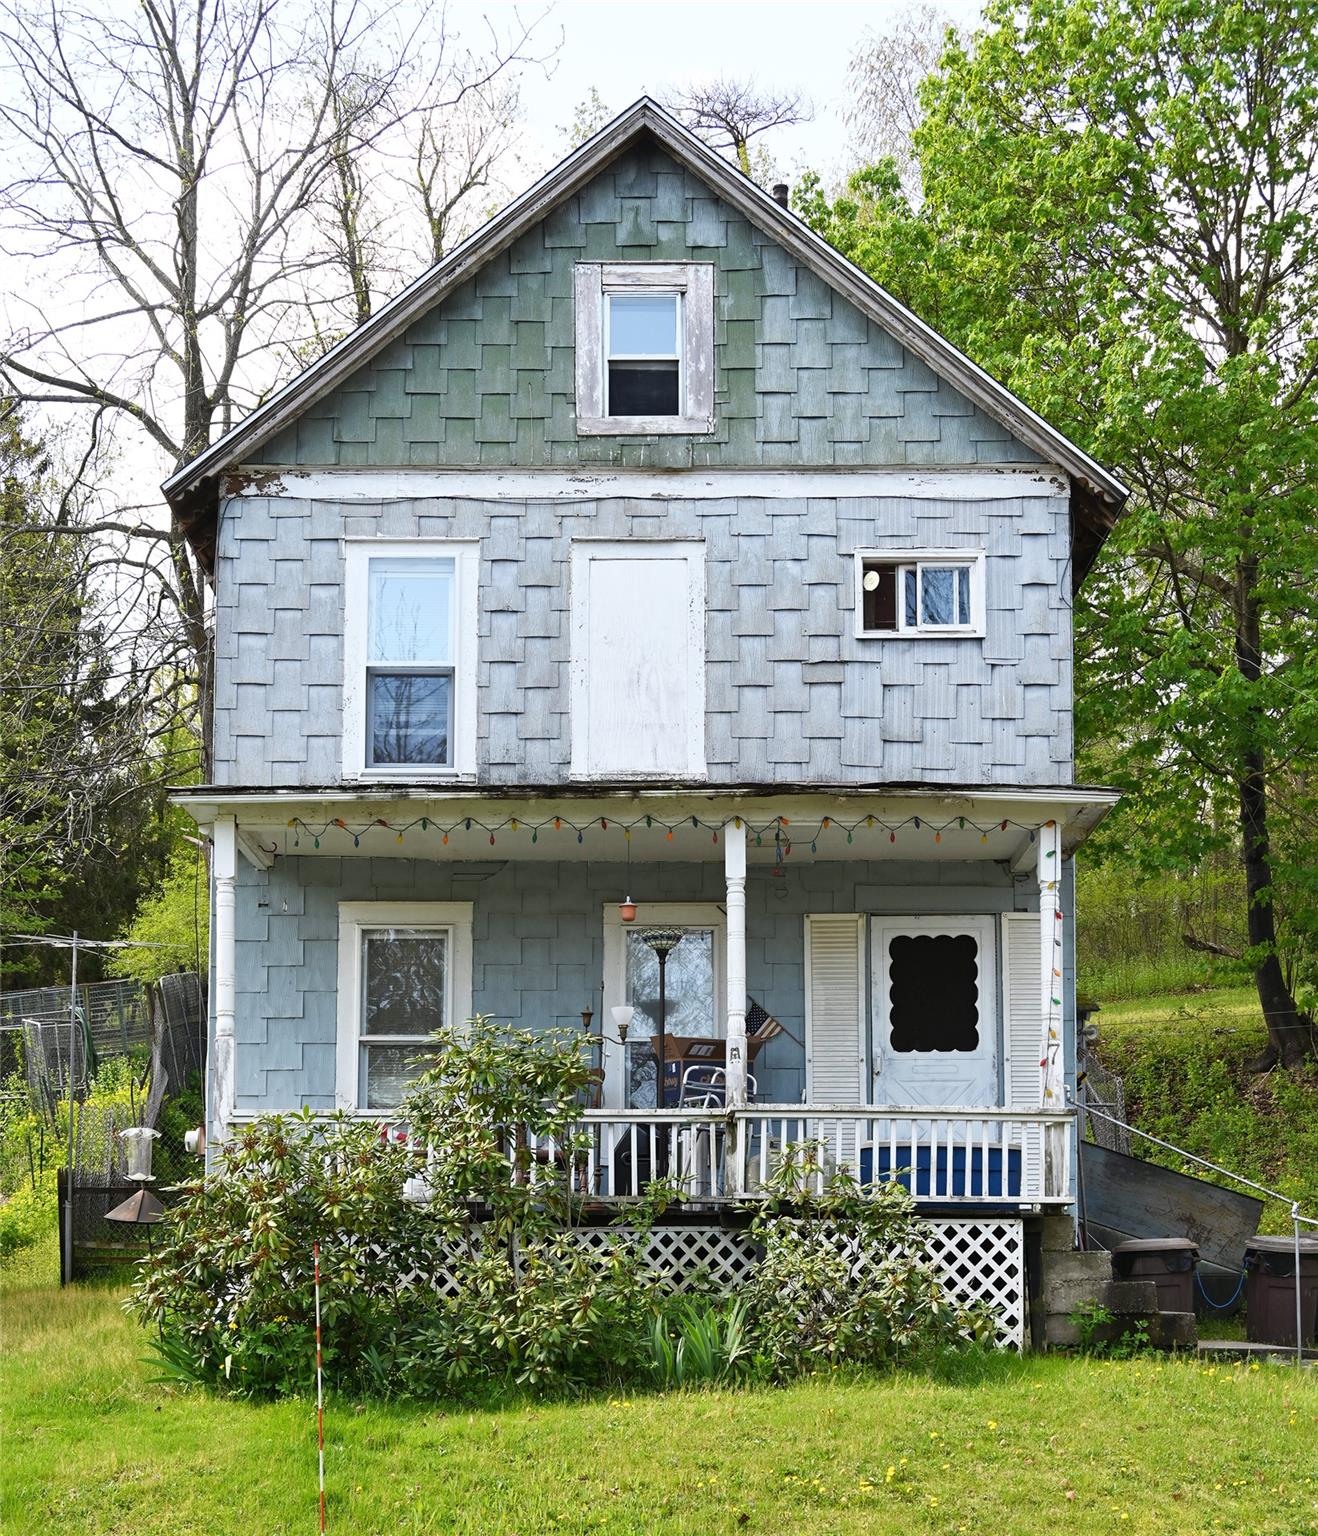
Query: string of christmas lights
x: 782, y: 831
x: 1049, y: 1062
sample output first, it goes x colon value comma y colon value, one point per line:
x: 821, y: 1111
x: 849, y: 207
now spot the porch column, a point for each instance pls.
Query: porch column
x: 1051, y: 1088
x: 734, y: 869
x: 224, y: 866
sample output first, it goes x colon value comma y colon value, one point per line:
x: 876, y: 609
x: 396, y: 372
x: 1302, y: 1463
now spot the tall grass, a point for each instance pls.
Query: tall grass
x: 1130, y: 931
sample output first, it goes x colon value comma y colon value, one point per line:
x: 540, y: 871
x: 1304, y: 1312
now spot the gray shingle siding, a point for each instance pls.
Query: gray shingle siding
x: 791, y: 692
x: 487, y: 377
x: 537, y: 941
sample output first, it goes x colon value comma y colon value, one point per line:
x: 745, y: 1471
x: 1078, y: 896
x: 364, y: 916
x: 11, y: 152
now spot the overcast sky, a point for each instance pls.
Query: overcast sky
x: 628, y: 48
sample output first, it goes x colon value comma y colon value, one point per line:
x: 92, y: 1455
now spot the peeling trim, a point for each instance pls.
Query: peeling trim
x: 751, y: 201
x: 372, y: 485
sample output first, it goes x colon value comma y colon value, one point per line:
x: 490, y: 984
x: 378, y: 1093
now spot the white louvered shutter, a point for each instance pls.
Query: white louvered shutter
x: 1024, y: 1032
x: 835, y: 1021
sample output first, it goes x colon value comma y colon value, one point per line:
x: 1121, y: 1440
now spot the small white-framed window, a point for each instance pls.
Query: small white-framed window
x: 405, y: 970
x: 919, y: 592
x: 409, y: 686
x: 644, y: 347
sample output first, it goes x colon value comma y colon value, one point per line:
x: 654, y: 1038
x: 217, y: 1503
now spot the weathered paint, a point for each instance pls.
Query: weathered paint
x: 791, y: 692
x: 538, y: 944
x: 488, y: 377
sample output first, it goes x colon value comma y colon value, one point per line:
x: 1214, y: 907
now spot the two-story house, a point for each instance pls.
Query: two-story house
x: 644, y: 566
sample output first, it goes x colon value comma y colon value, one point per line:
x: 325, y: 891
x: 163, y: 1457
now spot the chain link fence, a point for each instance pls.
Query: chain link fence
x: 126, y: 1055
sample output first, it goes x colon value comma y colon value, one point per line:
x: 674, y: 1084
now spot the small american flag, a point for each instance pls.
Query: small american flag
x: 760, y: 1023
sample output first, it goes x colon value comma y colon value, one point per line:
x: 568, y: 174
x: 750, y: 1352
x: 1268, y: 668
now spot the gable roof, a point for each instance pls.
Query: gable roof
x: 192, y: 490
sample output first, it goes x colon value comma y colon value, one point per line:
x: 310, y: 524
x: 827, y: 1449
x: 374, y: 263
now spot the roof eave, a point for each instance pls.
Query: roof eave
x: 199, y: 479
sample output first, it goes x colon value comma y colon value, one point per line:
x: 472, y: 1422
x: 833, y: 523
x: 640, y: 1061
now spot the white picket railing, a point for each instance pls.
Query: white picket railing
x: 955, y: 1156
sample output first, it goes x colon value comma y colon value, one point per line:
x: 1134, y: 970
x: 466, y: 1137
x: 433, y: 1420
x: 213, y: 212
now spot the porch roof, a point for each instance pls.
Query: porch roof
x: 608, y: 821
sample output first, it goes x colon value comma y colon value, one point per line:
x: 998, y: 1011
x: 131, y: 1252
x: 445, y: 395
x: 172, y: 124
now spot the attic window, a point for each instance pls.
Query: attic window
x: 644, y: 350
x: 919, y: 592
x: 644, y: 347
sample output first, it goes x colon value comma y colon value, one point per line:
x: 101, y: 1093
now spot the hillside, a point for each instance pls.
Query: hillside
x: 1182, y: 1057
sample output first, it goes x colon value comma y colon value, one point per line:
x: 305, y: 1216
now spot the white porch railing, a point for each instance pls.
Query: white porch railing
x: 956, y: 1156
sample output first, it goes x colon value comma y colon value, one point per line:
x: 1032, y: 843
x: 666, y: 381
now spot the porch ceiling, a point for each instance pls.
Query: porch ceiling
x: 607, y: 823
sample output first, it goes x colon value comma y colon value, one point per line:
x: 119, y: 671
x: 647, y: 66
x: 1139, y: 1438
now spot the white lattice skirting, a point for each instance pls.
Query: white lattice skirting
x: 978, y: 1260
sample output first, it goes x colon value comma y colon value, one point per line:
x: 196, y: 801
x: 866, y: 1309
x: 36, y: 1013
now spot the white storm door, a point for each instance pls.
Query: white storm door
x: 936, y: 1025
x: 638, y: 659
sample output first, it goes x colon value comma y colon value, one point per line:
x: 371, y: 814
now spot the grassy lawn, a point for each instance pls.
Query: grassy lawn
x: 1006, y: 1445
x: 1183, y: 1059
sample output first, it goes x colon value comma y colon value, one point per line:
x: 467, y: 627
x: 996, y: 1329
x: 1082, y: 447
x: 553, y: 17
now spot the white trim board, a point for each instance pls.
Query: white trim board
x: 372, y: 485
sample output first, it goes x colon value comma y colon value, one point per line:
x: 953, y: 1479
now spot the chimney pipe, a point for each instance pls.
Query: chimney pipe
x: 780, y: 193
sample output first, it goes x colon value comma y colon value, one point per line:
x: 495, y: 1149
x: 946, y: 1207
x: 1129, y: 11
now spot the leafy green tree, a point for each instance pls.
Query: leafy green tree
x: 85, y: 745
x: 1121, y: 223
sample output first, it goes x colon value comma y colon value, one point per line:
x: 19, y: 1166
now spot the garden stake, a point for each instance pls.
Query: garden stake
x: 320, y: 1391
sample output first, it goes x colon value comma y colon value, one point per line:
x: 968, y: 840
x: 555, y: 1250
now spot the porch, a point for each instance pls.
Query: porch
x: 880, y: 974
x: 985, y: 1158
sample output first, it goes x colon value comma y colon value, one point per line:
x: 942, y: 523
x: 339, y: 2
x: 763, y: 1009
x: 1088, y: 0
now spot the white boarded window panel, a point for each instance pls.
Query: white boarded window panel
x: 638, y: 660
x: 834, y: 1025
x: 1024, y: 1032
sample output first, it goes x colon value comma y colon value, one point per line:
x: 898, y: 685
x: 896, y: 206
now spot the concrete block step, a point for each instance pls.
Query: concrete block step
x: 1060, y: 1268
x: 1239, y: 1349
x: 1165, y: 1330
x: 1058, y: 1234
x: 1118, y: 1296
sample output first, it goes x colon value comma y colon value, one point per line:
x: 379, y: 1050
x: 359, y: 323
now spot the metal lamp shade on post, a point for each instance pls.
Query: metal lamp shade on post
x: 662, y: 941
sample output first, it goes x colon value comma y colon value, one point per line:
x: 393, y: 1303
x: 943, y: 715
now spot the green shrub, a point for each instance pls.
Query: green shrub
x: 28, y: 1215
x: 230, y: 1286
x: 844, y: 1279
x: 488, y: 1282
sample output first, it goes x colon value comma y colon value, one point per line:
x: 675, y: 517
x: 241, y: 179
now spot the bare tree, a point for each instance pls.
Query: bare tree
x: 729, y: 113
x: 167, y: 166
x: 405, y: 178
x: 884, y: 77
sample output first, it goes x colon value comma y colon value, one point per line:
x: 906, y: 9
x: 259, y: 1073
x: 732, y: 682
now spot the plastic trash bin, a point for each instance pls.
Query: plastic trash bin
x: 1170, y: 1262
x: 1270, y: 1290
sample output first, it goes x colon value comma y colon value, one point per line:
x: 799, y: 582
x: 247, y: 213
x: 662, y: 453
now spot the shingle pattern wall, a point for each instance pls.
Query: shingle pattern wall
x: 792, y: 694
x: 538, y: 944
x: 802, y: 377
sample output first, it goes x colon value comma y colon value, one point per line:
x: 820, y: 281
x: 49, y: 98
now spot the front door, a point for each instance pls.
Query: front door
x: 693, y: 1008
x: 935, y: 1011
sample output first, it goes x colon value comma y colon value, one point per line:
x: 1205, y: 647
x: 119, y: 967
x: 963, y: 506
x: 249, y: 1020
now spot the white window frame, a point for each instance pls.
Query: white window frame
x: 653, y: 914
x: 453, y: 918
x: 465, y: 554
x: 692, y: 551
x: 693, y: 283
x: 903, y: 560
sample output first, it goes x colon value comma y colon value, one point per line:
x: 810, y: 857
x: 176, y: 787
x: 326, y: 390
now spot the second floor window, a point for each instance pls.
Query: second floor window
x: 409, y: 659
x: 409, y: 663
x: 919, y: 592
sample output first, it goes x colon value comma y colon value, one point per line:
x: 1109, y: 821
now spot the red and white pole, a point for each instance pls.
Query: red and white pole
x: 320, y: 1392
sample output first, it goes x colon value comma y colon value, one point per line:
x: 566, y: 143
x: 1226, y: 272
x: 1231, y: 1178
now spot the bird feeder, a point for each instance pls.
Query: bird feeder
x: 137, y: 1152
